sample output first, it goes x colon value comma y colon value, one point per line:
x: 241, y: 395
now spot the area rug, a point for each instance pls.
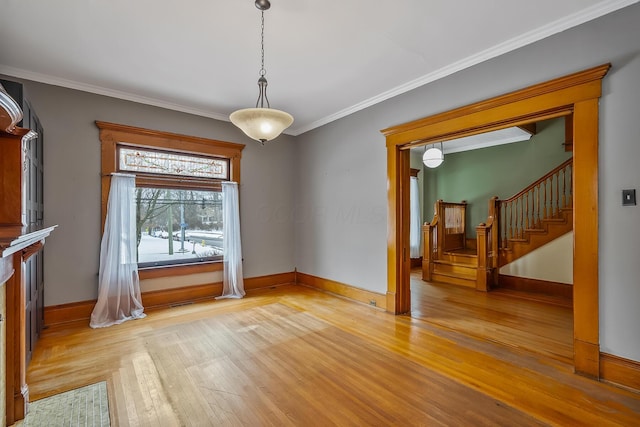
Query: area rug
x: 85, y: 406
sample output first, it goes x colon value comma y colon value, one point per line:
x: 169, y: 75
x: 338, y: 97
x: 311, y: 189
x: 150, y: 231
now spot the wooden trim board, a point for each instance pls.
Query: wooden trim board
x: 535, y: 285
x: 620, y: 371
x: 368, y: 297
x: 153, y: 300
x: 179, y: 270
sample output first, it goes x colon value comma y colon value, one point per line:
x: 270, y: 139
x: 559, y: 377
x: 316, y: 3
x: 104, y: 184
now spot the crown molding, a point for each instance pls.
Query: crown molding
x: 525, y: 39
x: 99, y: 90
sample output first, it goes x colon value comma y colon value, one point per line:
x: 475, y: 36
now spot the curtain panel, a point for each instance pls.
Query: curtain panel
x: 233, y: 282
x: 119, y: 297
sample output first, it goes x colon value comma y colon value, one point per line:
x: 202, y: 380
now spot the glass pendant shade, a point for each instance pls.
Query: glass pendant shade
x: 433, y: 157
x: 261, y: 124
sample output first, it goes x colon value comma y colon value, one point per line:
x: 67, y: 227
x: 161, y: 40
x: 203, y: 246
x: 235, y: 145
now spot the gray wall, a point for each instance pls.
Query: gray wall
x: 72, y: 186
x: 341, y: 203
x: 343, y: 166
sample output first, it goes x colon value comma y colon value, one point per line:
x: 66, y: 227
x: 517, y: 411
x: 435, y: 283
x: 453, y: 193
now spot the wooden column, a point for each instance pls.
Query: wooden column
x: 17, y: 391
x: 585, y: 246
x: 6, y: 270
x: 398, y: 265
x: 17, y: 252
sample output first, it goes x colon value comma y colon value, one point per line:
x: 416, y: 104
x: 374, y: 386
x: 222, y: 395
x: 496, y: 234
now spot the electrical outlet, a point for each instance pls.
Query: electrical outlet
x: 629, y: 197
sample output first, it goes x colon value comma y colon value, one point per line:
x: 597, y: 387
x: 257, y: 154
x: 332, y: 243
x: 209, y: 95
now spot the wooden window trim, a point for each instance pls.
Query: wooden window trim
x: 113, y: 135
x: 179, y: 270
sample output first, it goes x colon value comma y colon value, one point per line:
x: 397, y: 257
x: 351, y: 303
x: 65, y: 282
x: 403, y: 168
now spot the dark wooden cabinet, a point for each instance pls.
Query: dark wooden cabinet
x: 34, y: 214
x: 22, y: 237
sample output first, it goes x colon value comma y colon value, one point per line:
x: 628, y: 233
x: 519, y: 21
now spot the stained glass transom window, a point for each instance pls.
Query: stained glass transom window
x: 159, y: 162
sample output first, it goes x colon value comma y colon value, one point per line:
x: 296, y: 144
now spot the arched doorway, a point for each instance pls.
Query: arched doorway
x: 575, y: 94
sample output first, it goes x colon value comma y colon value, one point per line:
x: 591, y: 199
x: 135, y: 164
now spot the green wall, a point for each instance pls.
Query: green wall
x: 504, y: 170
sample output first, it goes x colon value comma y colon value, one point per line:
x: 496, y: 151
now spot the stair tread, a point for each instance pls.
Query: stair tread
x: 535, y: 230
x: 457, y: 276
x: 454, y: 264
x: 462, y: 254
x: 467, y: 275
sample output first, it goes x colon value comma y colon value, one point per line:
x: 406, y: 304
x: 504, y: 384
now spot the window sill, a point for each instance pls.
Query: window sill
x: 179, y: 270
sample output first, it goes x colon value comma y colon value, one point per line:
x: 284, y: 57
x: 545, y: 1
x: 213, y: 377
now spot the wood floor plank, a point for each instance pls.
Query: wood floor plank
x: 528, y: 324
x: 295, y: 356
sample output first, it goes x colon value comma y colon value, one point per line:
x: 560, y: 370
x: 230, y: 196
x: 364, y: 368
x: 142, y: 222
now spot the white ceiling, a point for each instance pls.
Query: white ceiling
x: 324, y: 59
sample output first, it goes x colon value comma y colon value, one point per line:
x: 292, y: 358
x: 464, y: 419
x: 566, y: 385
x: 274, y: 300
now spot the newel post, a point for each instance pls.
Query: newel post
x: 496, y: 226
x: 440, y: 234
x: 427, y: 238
x: 484, y: 270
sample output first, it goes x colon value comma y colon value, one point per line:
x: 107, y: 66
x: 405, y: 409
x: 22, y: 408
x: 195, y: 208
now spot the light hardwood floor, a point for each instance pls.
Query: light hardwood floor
x: 291, y: 355
x: 510, y: 318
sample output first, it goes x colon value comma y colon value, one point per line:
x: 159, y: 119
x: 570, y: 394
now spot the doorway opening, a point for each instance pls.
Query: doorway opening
x: 576, y: 94
x: 528, y: 173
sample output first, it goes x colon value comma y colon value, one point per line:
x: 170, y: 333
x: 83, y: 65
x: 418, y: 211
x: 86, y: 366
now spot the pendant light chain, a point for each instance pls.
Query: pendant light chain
x: 262, y: 70
x: 261, y: 123
x: 262, y: 81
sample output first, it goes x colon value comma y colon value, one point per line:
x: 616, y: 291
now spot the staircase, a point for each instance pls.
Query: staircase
x: 456, y: 268
x: 544, y: 232
x: 535, y: 216
x: 540, y: 213
x: 448, y: 255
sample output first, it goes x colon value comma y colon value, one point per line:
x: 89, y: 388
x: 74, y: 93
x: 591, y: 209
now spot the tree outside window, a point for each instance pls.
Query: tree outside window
x: 178, y: 226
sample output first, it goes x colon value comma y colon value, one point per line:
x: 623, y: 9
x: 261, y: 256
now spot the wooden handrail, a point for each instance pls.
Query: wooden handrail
x: 443, y: 203
x: 544, y: 199
x: 540, y: 180
x: 509, y: 219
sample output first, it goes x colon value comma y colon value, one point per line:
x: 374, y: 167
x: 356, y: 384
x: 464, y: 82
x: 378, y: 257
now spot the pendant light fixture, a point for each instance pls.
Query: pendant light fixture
x: 262, y: 123
x: 433, y: 156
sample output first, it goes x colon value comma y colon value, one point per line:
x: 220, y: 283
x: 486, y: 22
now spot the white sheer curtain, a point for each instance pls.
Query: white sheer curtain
x: 118, y: 283
x: 233, y: 283
x: 415, y: 248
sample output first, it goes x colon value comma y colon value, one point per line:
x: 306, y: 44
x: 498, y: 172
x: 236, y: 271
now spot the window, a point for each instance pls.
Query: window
x: 178, y: 194
x: 177, y: 226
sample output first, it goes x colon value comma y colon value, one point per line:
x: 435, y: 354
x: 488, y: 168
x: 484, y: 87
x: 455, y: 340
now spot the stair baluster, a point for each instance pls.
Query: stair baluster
x: 530, y: 209
x: 538, y: 210
x: 557, y: 209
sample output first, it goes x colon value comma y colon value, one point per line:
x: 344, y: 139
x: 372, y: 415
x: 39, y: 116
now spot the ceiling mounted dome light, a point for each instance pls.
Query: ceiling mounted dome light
x: 262, y: 123
x: 433, y: 156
